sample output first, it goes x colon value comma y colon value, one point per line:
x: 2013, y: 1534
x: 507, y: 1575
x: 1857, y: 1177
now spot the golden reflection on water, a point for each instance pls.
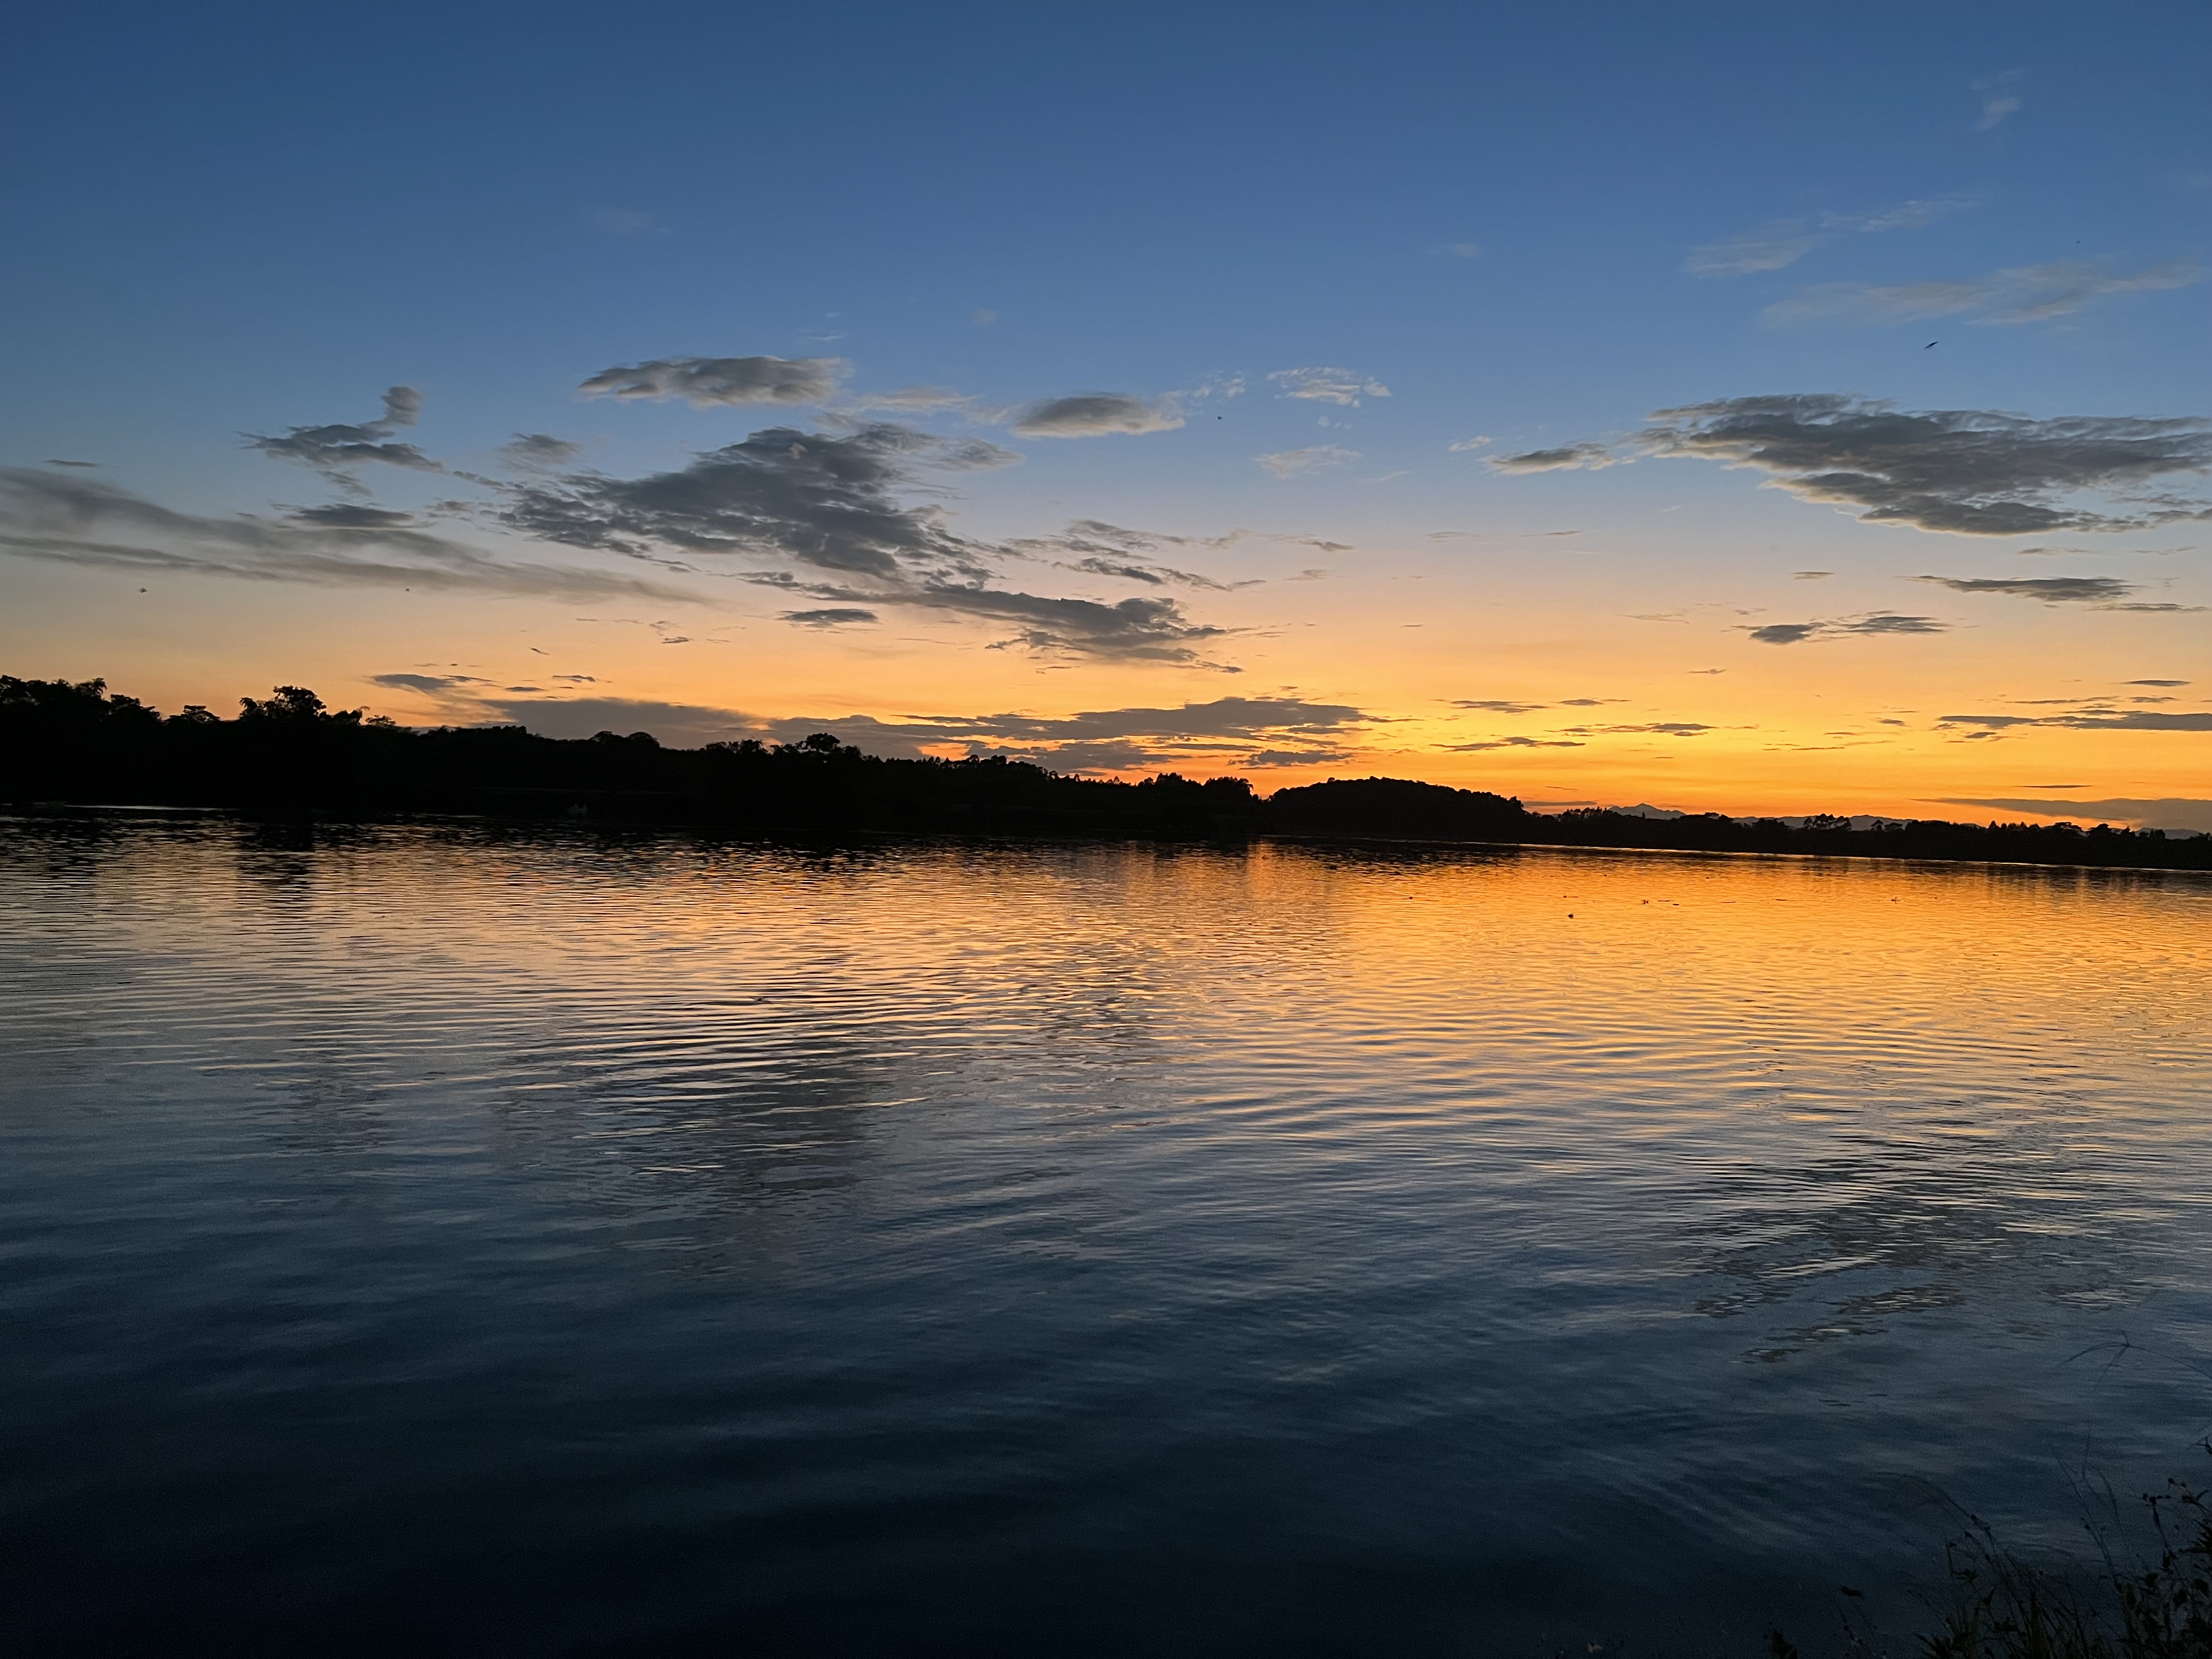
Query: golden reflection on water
x: 1676, y: 1179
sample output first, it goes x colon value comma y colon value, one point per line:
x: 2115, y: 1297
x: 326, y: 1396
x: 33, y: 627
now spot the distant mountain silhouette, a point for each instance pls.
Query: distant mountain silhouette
x: 65, y: 743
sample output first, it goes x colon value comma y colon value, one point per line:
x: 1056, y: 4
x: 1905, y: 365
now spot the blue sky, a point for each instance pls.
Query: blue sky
x: 1526, y: 226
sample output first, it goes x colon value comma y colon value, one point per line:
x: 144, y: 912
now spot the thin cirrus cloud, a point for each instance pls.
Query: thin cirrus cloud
x: 336, y: 450
x: 829, y: 506
x: 1513, y: 742
x: 721, y: 382
x: 81, y: 522
x: 1343, y: 386
x: 1966, y: 472
x: 2000, y: 98
x: 1786, y: 241
x: 1096, y: 414
x: 2023, y: 294
x: 1296, y: 463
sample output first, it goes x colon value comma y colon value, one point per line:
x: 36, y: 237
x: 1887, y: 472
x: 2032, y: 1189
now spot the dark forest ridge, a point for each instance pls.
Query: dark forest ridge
x: 65, y: 743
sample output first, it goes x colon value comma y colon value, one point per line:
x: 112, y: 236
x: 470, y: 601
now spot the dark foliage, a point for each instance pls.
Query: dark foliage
x: 65, y: 743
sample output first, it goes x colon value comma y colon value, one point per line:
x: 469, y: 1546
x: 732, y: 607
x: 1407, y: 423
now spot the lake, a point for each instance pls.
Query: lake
x: 457, y: 1237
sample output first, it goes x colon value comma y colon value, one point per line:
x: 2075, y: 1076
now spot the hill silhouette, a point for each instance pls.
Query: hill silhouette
x: 65, y: 743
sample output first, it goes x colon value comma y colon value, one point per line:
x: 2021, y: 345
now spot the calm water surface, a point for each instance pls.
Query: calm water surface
x: 443, y: 1239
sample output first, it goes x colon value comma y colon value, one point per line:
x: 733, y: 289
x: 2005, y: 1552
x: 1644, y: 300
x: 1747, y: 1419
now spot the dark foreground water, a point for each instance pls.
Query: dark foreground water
x: 447, y: 1239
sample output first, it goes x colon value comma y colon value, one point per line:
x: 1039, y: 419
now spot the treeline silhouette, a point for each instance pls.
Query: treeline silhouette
x: 65, y: 743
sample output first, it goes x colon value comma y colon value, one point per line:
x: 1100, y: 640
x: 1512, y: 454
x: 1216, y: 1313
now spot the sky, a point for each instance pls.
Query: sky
x: 1723, y: 407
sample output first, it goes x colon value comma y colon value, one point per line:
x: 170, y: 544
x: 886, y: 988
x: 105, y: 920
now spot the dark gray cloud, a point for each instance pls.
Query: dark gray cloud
x: 1152, y: 575
x: 973, y: 455
x: 540, y: 451
x: 1971, y: 472
x: 1225, y: 735
x: 2052, y: 590
x: 1661, y: 728
x: 1498, y: 705
x: 2171, y: 813
x: 352, y: 515
x: 835, y: 617
x: 80, y: 521
x: 722, y: 382
x: 2025, y: 294
x: 2155, y: 682
x: 335, y: 451
x: 431, y: 685
x: 52, y: 460
x: 1566, y: 458
x: 2089, y: 719
x: 1096, y: 414
x: 833, y: 504
x: 1880, y: 623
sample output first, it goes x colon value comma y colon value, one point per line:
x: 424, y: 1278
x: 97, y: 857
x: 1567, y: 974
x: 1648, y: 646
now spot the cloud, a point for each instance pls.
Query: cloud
x: 1665, y: 728
x: 1292, y: 463
x: 1462, y: 250
x: 2000, y: 98
x: 1905, y: 215
x: 2051, y: 590
x: 834, y: 617
x: 1229, y: 733
x: 1881, y: 622
x: 2155, y: 682
x: 79, y: 521
x: 2023, y: 294
x: 433, y: 685
x: 540, y: 451
x: 1593, y: 456
x: 1513, y: 743
x: 1333, y: 385
x: 1500, y: 706
x: 2170, y: 813
x: 1982, y: 472
x: 2090, y: 719
x: 1095, y: 414
x: 52, y: 460
x: 722, y: 382
x: 1782, y: 243
x: 973, y: 455
x: 1811, y: 576
x: 335, y: 451
x: 352, y: 515
x: 1786, y: 241
x: 1464, y: 445
x: 832, y: 506
x: 1152, y: 575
